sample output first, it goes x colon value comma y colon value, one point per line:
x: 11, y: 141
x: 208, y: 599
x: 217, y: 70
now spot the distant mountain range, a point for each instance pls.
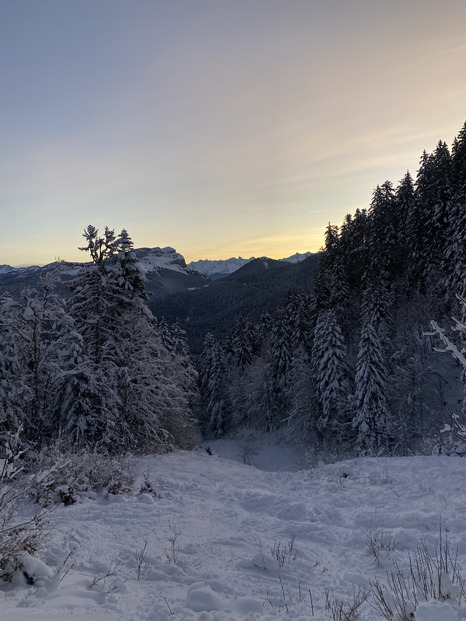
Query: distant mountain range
x: 207, y: 299
x: 165, y: 269
x: 225, y: 267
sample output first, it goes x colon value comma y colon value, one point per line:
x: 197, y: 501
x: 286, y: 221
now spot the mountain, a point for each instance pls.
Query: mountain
x: 223, y: 268
x: 220, y: 268
x: 178, y: 293
x: 254, y: 289
x: 165, y: 270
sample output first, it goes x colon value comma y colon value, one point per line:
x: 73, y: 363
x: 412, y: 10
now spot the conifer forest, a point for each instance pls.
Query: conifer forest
x: 349, y: 368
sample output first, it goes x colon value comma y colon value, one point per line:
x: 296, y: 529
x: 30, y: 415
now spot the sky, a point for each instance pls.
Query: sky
x: 218, y: 127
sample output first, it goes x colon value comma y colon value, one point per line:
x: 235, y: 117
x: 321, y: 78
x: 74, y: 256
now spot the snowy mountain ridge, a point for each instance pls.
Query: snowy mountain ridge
x: 150, y: 259
x: 154, y: 259
x: 225, y: 267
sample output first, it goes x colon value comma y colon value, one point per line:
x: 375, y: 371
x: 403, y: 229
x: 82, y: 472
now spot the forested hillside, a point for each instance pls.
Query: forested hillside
x: 256, y: 288
x: 348, y: 366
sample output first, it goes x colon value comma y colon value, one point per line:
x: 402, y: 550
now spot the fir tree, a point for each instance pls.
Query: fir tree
x: 372, y: 416
x: 212, y: 388
x: 329, y: 360
x: 279, y: 367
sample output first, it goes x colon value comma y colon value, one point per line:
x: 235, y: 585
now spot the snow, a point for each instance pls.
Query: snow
x: 261, y: 540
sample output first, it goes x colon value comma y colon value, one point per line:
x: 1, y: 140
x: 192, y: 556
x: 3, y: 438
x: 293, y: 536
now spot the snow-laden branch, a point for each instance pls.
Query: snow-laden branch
x: 449, y: 346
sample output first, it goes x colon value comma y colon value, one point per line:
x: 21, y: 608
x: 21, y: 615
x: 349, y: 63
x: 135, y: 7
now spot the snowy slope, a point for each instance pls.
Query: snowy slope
x: 219, y: 536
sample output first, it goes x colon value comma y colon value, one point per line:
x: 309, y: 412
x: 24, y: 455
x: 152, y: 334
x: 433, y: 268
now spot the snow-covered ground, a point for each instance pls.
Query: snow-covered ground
x: 265, y: 539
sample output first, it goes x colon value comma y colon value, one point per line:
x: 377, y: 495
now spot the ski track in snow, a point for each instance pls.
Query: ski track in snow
x: 229, y: 516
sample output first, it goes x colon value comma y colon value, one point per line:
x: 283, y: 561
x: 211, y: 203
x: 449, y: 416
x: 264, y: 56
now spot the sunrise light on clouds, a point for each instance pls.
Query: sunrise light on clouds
x: 219, y: 128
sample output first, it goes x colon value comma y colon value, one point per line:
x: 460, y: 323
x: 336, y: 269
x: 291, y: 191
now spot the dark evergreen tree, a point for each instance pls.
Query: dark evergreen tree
x: 15, y: 394
x: 279, y: 367
x: 244, y: 343
x: 455, y: 255
x: 459, y: 159
x: 372, y: 416
x: 404, y: 204
x: 330, y: 369
x: 300, y: 308
x: 215, y: 413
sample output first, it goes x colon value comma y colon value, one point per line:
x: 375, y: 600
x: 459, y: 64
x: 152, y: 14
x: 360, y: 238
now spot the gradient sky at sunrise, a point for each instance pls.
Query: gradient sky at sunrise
x: 218, y: 127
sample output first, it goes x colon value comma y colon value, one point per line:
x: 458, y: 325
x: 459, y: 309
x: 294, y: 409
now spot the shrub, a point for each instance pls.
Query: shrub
x: 17, y: 536
x: 67, y: 475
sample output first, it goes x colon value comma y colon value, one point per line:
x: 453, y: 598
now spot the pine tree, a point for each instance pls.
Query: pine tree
x: 428, y: 222
x: 245, y: 343
x: 372, y: 417
x: 138, y: 401
x: 279, y: 368
x: 455, y: 255
x: 303, y: 406
x: 212, y: 388
x: 459, y: 159
x: 300, y: 308
x: 353, y: 245
x: 15, y: 394
x: 329, y: 360
x: 329, y: 257
x: 404, y: 205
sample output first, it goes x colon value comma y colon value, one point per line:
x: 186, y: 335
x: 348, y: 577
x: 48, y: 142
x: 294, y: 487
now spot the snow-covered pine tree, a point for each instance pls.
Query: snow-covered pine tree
x: 215, y: 409
x: 302, y: 400
x: 278, y: 368
x: 15, y: 394
x: 140, y: 406
x: 244, y: 343
x: 404, y: 204
x: 353, y: 247
x: 458, y: 155
x: 455, y: 255
x: 330, y: 370
x: 185, y: 371
x: 372, y: 415
x: 85, y: 403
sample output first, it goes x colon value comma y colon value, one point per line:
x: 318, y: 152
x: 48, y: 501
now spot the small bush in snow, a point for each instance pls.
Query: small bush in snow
x: 380, y: 544
x: 108, y: 582
x: 284, y: 553
x: 431, y: 576
x: 344, y: 611
x: 147, y: 487
x: 19, y: 537
x: 141, y: 558
x: 66, y: 476
x: 173, y: 551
